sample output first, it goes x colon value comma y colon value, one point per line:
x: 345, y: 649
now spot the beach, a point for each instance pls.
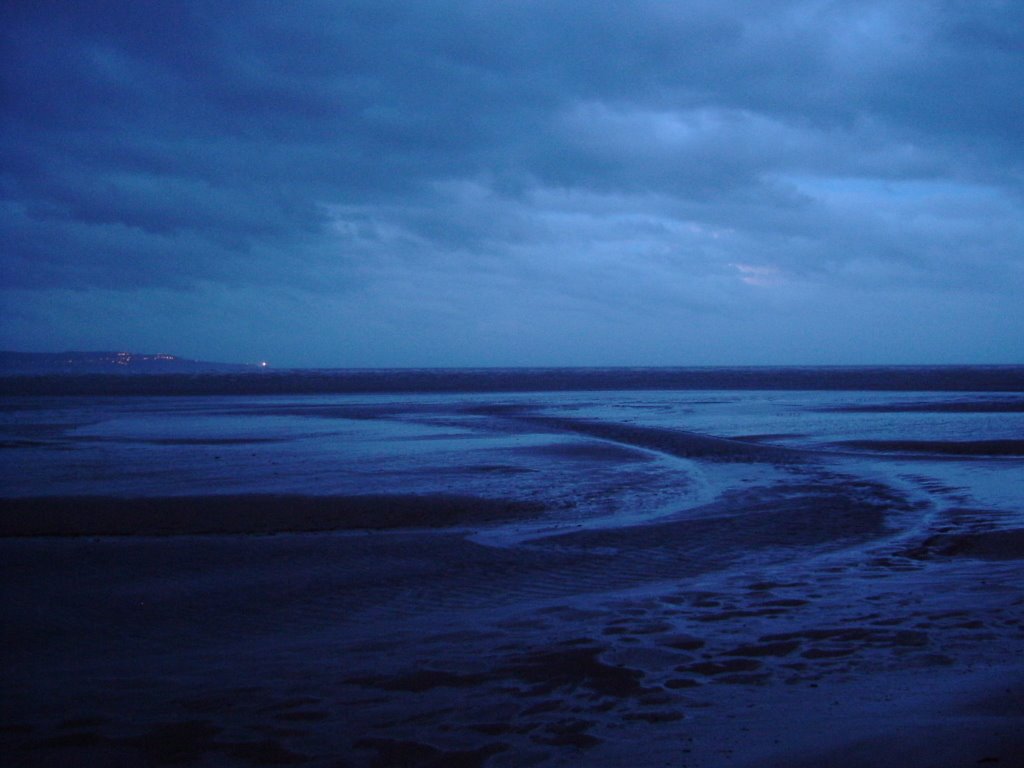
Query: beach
x: 614, y: 577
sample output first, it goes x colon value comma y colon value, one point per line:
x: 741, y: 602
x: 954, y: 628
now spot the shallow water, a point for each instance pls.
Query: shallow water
x: 545, y: 447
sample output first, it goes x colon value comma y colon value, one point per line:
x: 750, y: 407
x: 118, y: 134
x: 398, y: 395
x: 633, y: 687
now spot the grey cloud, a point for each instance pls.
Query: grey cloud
x: 627, y: 155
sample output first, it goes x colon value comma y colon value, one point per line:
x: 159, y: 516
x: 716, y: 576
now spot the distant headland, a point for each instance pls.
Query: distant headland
x: 41, y: 363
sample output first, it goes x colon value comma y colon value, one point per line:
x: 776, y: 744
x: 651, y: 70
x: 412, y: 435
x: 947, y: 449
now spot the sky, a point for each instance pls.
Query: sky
x: 365, y: 183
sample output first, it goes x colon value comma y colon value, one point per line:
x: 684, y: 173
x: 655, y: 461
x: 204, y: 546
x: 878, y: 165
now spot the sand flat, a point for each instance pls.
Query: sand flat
x: 422, y: 648
x: 247, y: 514
x: 615, y: 590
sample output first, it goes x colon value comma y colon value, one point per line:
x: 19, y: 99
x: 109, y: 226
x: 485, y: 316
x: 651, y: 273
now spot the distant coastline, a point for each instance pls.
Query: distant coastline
x: 107, y: 362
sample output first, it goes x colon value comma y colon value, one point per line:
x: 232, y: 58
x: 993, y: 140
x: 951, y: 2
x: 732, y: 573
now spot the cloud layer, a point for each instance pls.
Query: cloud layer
x: 459, y: 183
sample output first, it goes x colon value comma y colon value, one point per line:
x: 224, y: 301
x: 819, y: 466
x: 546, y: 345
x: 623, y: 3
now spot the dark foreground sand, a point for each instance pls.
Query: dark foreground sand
x: 247, y: 514
x: 800, y: 633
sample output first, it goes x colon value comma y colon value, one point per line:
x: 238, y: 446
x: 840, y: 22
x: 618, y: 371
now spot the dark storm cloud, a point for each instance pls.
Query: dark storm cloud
x: 643, y: 154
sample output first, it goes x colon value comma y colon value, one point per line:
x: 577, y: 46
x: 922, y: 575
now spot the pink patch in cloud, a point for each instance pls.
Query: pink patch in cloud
x: 758, y: 275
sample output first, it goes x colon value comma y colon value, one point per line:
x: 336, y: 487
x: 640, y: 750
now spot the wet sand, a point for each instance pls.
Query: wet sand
x: 778, y: 637
x: 941, y: 447
x: 247, y: 514
x: 806, y: 608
